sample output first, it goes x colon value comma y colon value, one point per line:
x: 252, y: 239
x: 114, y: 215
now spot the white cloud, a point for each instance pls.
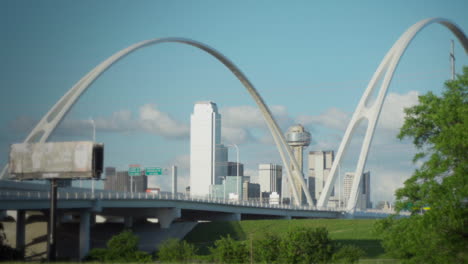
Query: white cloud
x: 392, y: 115
x: 152, y: 120
x: 242, y: 124
x: 332, y: 118
x: 235, y: 135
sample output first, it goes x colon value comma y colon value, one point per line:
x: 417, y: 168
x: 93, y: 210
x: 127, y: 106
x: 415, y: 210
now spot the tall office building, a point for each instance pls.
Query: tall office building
x: 269, y: 177
x: 208, y: 157
x: 320, y: 163
x: 232, y: 169
x: 363, y: 197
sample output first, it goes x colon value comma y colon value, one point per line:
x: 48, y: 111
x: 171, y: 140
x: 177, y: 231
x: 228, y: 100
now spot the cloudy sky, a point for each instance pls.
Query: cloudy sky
x: 310, y: 61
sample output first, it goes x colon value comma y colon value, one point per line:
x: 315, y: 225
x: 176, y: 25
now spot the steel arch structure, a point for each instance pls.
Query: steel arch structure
x: 51, y: 120
x: 385, y: 73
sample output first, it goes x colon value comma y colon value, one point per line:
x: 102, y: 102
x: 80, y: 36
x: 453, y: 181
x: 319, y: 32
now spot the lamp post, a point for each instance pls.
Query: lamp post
x: 237, y: 150
x: 94, y: 140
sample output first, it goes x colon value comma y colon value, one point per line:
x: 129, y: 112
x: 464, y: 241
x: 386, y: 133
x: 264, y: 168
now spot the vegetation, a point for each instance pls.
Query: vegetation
x: 227, y: 250
x: 437, y: 192
x: 120, y: 248
x: 174, y: 250
x: 306, y: 245
x: 357, y: 232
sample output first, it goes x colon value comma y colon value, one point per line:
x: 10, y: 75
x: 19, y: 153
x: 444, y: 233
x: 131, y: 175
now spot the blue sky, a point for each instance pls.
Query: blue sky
x: 310, y: 60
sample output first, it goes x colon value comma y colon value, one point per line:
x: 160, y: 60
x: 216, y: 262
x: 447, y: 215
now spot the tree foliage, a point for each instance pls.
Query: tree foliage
x: 307, y: 245
x: 120, y: 248
x: 348, y: 254
x: 228, y: 250
x: 174, y: 250
x: 267, y: 250
x: 438, y: 126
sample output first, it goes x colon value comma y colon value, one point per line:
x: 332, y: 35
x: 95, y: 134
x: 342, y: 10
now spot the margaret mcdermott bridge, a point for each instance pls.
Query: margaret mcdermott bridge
x: 22, y: 197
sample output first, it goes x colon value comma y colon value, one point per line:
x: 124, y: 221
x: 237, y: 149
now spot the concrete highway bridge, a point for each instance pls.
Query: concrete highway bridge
x: 83, y: 205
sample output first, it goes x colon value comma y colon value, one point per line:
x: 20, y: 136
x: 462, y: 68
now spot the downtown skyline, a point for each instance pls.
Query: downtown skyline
x: 310, y: 62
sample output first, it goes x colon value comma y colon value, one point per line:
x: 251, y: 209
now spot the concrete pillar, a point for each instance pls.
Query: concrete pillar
x: 167, y: 215
x: 20, y: 229
x: 85, y: 226
x: 128, y: 221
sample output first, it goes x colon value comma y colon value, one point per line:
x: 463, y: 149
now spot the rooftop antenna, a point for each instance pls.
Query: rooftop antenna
x: 452, y: 60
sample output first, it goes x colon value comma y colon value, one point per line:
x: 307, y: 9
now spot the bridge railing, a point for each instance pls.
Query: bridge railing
x: 87, y: 194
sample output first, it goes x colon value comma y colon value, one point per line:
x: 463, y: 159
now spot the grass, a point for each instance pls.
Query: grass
x: 344, y: 231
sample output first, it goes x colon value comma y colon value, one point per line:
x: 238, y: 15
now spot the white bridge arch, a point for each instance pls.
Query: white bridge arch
x: 385, y: 70
x: 51, y: 120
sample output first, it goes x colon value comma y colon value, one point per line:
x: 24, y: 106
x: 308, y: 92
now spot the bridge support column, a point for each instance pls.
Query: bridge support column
x: 286, y: 217
x: 167, y: 215
x: 85, y: 226
x: 20, y: 230
x: 128, y: 221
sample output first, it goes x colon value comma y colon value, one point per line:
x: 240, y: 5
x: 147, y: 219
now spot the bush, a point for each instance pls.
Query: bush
x: 98, y: 254
x: 120, y: 248
x: 307, y: 245
x: 348, y: 254
x: 174, y: 250
x: 227, y: 250
x: 267, y: 250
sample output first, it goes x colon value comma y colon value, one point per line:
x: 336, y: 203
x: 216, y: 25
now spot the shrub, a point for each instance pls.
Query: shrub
x: 307, y: 245
x: 98, y: 254
x: 120, y: 248
x: 174, y: 250
x: 348, y: 254
x: 267, y: 249
x: 227, y: 250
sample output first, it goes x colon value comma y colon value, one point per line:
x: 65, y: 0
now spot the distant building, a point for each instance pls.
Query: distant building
x: 363, y: 197
x: 117, y: 181
x: 320, y: 163
x: 269, y: 177
x: 250, y: 190
x: 140, y: 183
x: 120, y: 181
x: 232, y: 169
x: 208, y: 157
x: 232, y: 184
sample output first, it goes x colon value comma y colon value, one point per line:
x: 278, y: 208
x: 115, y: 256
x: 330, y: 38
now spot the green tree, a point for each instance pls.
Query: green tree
x: 438, y: 126
x: 267, y: 250
x: 307, y: 245
x: 122, y: 247
x: 228, y: 250
x: 174, y: 250
x: 348, y: 254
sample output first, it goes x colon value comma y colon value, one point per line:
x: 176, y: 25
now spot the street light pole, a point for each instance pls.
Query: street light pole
x: 94, y: 141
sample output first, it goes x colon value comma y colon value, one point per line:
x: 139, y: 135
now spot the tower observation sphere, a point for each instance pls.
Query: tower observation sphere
x: 297, y: 135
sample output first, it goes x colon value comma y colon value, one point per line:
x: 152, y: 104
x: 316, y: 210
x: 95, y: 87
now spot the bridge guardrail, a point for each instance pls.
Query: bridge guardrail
x: 87, y: 194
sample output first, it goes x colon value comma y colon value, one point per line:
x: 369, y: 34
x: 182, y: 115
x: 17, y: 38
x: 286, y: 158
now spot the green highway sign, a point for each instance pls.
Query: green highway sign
x: 134, y: 171
x: 153, y: 171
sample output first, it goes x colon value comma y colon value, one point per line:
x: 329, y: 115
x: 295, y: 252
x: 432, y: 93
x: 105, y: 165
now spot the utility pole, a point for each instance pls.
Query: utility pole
x: 452, y: 60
